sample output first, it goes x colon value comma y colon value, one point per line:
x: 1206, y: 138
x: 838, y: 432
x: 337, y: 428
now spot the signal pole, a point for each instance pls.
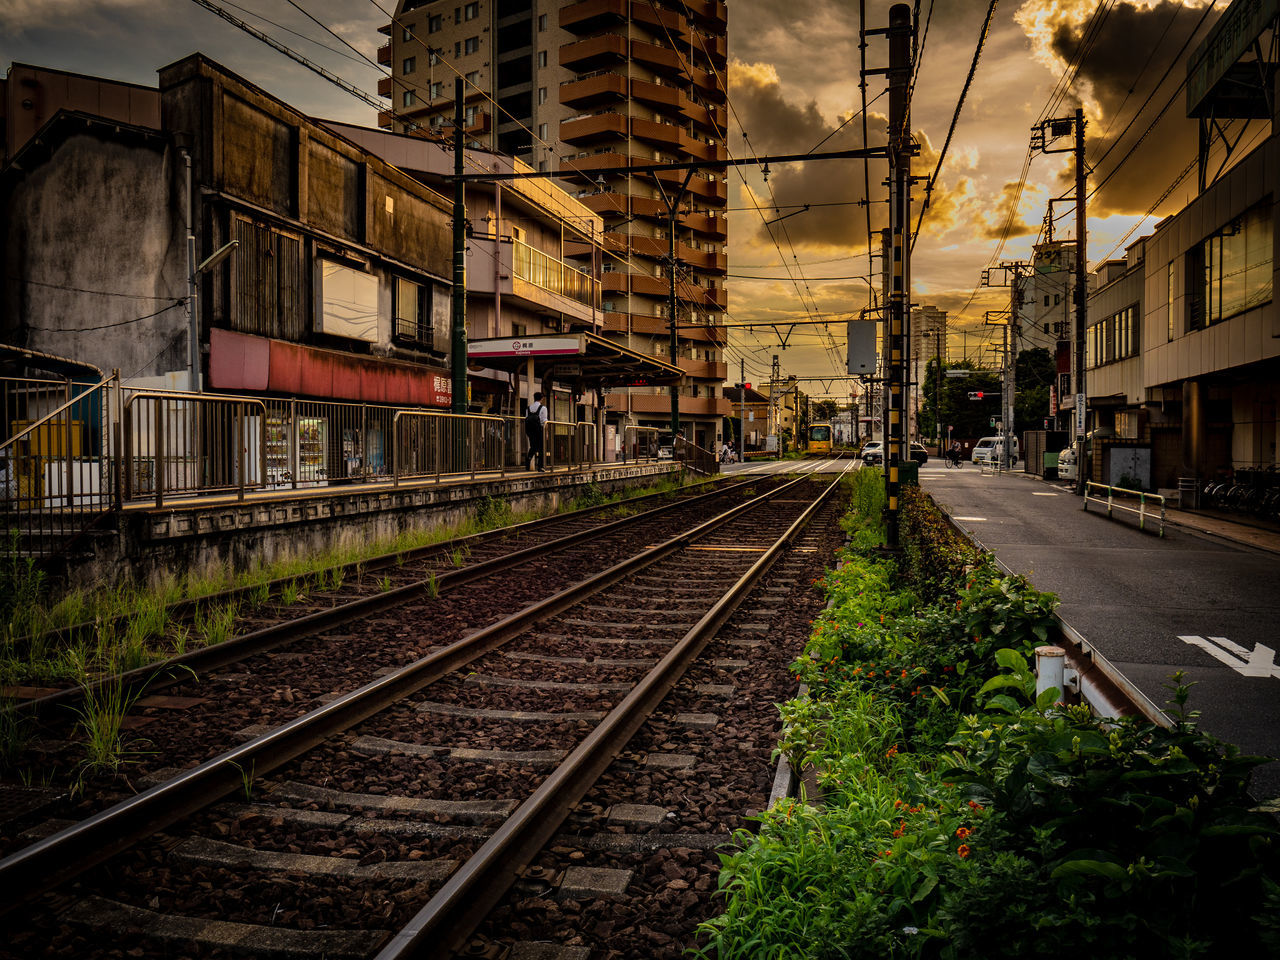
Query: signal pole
x: 900, y: 33
x: 1061, y: 127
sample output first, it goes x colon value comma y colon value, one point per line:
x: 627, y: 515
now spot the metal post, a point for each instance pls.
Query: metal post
x: 242, y: 452
x: 459, y: 339
x: 900, y: 34
x: 159, y: 471
x: 1081, y: 303
x: 742, y: 423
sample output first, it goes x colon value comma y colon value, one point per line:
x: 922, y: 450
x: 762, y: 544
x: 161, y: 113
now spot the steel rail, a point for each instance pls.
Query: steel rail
x: 381, y: 562
x: 182, y: 668
x: 46, y: 863
x: 450, y: 917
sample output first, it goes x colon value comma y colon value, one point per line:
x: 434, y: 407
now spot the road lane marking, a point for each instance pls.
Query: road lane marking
x: 1258, y: 662
x: 1044, y: 494
x: 972, y: 519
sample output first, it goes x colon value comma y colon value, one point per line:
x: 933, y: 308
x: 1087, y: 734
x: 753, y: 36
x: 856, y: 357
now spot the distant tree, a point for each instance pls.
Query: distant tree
x: 824, y: 410
x: 1035, y: 370
x: 969, y: 419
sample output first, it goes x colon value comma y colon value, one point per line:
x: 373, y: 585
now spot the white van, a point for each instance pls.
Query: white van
x: 991, y: 450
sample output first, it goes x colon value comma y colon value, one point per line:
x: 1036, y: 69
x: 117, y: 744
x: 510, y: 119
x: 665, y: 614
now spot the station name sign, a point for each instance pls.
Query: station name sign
x: 1241, y: 24
x: 524, y: 347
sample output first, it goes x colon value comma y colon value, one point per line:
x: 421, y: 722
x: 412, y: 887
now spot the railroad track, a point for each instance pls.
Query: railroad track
x: 441, y: 782
x: 318, y: 599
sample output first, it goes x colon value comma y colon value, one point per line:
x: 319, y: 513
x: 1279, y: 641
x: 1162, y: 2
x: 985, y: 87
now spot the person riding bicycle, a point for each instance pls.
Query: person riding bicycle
x: 953, y: 453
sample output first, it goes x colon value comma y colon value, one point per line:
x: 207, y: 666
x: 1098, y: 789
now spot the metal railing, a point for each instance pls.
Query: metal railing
x: 1127, y: 496
x: 546, y: 271
x: 430, y: 444
x: 179, y: 444
x: 569, y: 444
x: 640, y: 443
x: 56, y: 464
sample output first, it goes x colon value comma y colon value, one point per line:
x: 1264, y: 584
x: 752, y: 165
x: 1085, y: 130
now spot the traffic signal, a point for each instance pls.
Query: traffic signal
x: 975, y: 394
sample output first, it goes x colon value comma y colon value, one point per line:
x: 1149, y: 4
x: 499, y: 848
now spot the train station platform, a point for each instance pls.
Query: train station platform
x: 262, y: 526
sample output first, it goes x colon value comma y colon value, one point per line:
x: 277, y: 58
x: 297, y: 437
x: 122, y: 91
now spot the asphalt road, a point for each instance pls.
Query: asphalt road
x: 1135, y: 596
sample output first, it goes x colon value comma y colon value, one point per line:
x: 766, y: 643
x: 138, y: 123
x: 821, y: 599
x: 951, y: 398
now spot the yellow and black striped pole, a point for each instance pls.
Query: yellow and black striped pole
x: 899, y: 306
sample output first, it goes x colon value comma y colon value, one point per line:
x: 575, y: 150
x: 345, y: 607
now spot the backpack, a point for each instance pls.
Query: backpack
x: 533, y: 419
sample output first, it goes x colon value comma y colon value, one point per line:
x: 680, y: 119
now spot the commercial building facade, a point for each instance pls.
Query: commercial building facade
x: 586, y: 90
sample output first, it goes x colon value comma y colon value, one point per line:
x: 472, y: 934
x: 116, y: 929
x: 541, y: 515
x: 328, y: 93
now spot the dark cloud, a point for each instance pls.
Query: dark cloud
x: 1121, y: 63
x: 1006, y: 220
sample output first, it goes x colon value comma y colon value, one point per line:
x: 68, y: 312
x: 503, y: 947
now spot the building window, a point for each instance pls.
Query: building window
x: 471, y: 45
x: 435, y: 24
x: 1046, y: 299
x: 1232, y: 269
x: 542, y: 166
x: 457, y: 49
x: 407, y: 98
x: 267, y: 287
x: 407, y: 33
x: 412, y: 308
x: 471, y: 11
x: 473, y: 78
x: 433, y: 58
x: 1173, y: 295
x: 348, y: 302
x: 542, y: 95
x: 542, y: 22
x: 435, y: 90
x: 410, y: 64
x: 542, y: 58
x: 544, y: 131
x: 470, y: 114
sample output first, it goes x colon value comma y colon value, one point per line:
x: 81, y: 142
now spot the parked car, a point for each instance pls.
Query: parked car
x: 991, y: 450
x: 873, y: 453
x: 1067, y: 464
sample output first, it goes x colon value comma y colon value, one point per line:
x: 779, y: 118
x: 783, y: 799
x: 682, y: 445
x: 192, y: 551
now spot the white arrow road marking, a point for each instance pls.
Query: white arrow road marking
x: 1258, y: 662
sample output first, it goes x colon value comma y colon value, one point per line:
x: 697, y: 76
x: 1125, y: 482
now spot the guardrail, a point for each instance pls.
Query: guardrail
x: 640, y: 443
x: 57, y: 470
x: 430, y: 444
x: 1110, y: 501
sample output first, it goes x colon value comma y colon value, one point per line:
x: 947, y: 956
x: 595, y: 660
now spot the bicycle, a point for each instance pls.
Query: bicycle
x: 953, y: 459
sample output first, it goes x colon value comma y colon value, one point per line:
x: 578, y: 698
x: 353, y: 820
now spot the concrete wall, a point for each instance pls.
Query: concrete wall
x: 96, y: 232
x: 152, y: 544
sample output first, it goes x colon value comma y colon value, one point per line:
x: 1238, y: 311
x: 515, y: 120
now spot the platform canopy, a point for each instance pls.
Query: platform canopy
x: 574, y: 357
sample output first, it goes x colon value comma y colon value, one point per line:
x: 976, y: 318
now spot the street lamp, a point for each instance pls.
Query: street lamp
x: 193, y: 321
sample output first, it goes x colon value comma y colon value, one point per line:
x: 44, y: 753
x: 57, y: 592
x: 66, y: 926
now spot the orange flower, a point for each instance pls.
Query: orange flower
x: 975, y: 805
x: 893, y: 751
x: 963, y: 832
x: 963, y: 851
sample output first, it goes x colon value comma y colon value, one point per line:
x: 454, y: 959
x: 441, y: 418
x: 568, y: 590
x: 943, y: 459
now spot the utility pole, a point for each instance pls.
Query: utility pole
x: 1012, y: 270
x: 458, y: 355
x: 901, y: 33
x: 937, y: 390
x: 742, y: 423
x: 1061, y: 127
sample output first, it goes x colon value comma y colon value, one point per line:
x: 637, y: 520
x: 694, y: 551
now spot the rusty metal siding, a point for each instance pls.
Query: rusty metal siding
x: 268, y: 282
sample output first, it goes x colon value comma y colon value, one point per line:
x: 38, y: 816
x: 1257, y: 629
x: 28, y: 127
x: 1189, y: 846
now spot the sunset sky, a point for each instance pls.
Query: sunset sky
x: 793, y: 80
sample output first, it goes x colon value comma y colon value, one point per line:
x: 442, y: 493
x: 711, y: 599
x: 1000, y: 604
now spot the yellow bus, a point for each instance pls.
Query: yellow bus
x: 820, y: 439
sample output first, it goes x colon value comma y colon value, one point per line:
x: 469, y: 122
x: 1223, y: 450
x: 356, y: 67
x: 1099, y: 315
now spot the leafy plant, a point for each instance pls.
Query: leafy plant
x: 213, y: 625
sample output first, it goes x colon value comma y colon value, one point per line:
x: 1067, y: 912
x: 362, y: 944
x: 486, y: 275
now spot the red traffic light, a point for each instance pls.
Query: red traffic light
x: 975, y: 394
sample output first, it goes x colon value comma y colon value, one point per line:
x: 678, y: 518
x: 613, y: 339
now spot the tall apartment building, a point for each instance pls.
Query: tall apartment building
x: 588, y: 89
x: 928, y: 342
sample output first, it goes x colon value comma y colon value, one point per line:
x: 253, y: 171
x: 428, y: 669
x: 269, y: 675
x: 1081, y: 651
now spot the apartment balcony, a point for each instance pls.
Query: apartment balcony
x: 581, y: 130
x: 594, y: 53
x: 660, y: 95
x: 592, y: 16
x: 710, y: 49
x: 714, y: 13
x: 714, y: 191
x: 660, y: 20
x: 616, y: 204
x: 715, y: 297
x: 647, y: 286
x: 704, y: 369
x: 593, y: 91
x: 712, y: 118
x: 662, y: 59
x: 534, y: 279
x: 663, y: 134
x: 385, y: 86
x: 707, y: 84
x: 643, y: 246
x: 384, y: 54
x: 479, y: 122
x: 658, y: 326
x: 705, y: 223
x: 660, y: 403
x: 708, y: 260
x: 585, y: 166
x: 701, y: 149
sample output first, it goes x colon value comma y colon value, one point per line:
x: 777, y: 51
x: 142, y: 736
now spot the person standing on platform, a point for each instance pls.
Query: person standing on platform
x: 535, y: 421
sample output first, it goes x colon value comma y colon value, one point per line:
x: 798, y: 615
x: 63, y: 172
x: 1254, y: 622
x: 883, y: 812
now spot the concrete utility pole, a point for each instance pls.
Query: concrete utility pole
x: 458, y: 355
x: 1082, y: 305
x: 901, y: 33
x: 742, y: 401
x: 1061, y: 127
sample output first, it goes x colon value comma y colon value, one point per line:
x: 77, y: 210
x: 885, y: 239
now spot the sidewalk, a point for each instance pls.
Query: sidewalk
x: 1212, y: 524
